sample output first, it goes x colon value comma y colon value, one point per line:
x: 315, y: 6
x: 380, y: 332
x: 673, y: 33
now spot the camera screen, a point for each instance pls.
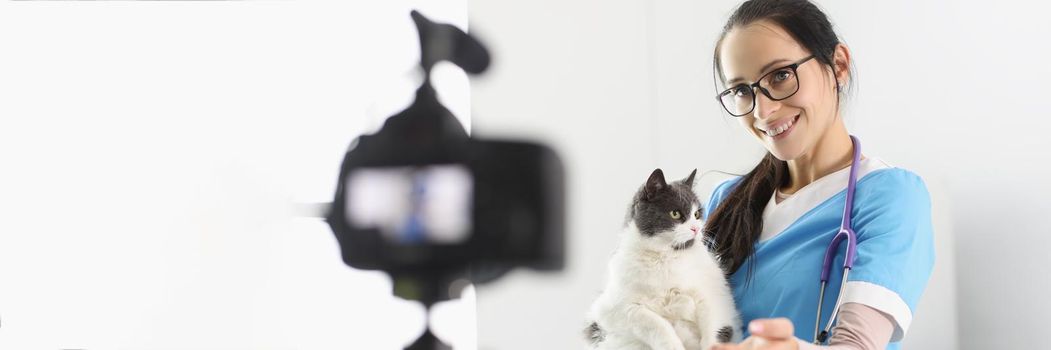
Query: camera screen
x: 412, y: 205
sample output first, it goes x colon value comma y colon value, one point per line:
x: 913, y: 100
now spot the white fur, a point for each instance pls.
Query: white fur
x: 660, y: 298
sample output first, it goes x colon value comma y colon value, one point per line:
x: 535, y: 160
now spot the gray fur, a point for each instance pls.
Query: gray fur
x: 684, y: 245
x: 594, y: 334
x: 652, y: 202
x: 725, y: 334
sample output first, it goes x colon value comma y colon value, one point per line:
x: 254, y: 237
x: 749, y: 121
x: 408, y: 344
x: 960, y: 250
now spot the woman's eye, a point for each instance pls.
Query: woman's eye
x: 697, y: 214
x: 675, y: 214
x: 782, y: 75
x: 740, y: 91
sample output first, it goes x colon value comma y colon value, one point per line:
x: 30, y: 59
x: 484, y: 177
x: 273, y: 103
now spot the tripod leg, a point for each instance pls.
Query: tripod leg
x: 428, y: 341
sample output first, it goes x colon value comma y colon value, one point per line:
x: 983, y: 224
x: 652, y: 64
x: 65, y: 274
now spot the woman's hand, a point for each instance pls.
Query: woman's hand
x: 766, y: 334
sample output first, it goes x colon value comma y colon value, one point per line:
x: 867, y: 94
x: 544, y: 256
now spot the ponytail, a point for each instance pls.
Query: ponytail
x: 734, y: 225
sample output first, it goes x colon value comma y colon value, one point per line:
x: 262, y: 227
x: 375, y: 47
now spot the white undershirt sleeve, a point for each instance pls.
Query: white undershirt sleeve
x: 882, y: 299
x: 858, y: 327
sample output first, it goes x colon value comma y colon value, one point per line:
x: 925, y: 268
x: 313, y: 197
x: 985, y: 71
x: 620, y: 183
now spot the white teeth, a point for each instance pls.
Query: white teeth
x: 778, y: 130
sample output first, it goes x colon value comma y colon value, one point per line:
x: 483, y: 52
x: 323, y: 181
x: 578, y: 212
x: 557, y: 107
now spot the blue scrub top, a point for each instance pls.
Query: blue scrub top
x: 892, y: 218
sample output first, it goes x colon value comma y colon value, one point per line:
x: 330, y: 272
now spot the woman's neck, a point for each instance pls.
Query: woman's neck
x: 832, y: 152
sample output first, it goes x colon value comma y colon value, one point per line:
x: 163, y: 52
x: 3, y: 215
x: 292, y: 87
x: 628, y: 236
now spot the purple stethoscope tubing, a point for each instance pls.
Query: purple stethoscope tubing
x: 845, y: 232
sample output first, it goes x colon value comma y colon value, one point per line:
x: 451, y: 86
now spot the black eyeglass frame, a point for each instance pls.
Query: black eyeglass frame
x: 753, y: 86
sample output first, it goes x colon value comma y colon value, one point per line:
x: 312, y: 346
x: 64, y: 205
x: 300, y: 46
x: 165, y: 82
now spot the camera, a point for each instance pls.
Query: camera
x: 429, y: 205
x: 418, y: 198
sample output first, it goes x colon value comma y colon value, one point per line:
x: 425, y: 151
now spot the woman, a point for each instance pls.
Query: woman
x: 783, y: 71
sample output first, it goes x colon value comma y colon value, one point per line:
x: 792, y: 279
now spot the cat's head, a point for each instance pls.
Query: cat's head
x: 667, y: 215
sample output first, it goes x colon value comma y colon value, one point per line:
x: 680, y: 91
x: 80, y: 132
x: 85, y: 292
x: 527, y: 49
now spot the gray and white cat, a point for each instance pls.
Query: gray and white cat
x: 663, y: 290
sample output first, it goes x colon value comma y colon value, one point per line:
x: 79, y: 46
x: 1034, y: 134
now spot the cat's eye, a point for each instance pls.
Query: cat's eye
x: 697, y: 214
x: 675, y: 214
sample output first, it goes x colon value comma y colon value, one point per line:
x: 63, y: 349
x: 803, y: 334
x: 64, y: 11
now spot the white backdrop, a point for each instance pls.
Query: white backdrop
x: 151, y: 155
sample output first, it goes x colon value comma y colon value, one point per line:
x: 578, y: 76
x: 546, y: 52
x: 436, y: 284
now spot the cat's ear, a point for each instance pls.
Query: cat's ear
x: 689, y: 179
x: 654, y: 184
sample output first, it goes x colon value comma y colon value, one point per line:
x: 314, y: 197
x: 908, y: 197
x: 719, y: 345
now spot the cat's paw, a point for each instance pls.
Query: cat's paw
x: 725, y: 334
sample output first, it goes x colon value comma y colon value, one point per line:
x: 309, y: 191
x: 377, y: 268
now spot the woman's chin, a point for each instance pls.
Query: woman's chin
x: 784, y: 153
x: 782, y: 149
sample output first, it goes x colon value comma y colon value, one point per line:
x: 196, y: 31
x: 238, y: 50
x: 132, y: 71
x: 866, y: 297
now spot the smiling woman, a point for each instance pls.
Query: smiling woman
x: 771, y: 227
x: 818, y: 142
x: 764, y: 51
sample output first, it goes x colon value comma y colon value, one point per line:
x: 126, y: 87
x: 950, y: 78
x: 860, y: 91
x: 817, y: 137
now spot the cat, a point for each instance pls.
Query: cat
x: 663, y: 290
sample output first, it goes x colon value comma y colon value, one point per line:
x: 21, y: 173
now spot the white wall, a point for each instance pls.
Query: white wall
x: 953, y: 90
x: 151, y: 155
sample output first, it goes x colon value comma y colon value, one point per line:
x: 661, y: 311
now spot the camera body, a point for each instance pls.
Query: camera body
x: 421, y: 198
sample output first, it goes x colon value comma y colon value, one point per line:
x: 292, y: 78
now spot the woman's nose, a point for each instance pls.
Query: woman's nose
x: 764, y: 106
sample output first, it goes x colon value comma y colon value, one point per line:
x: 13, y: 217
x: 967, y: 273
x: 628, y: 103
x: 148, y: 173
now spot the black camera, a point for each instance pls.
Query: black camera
x: 428, y: 204
x: 419, y: 196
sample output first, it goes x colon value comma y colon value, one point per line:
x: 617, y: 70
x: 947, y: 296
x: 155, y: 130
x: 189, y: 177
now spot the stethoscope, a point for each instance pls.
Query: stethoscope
x: 845, y: 232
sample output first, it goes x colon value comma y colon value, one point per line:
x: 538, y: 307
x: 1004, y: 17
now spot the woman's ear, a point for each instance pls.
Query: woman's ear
x: 841, y: 60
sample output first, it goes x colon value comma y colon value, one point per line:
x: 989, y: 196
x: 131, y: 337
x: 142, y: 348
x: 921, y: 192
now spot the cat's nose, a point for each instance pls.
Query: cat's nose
x: 694, y: 229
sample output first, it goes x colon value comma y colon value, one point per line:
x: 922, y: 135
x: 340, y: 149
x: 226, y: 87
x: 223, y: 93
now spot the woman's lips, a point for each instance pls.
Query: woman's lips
x: 775, y: 135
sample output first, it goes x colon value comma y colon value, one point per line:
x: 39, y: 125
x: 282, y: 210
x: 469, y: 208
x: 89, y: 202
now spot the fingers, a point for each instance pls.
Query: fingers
x: 759, y: 345
x: 772, y: 328
x: 747, y: 344
x: 766, y: 334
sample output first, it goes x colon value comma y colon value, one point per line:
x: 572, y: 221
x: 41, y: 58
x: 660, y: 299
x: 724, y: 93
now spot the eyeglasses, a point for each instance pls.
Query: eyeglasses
x: 778, y: 85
